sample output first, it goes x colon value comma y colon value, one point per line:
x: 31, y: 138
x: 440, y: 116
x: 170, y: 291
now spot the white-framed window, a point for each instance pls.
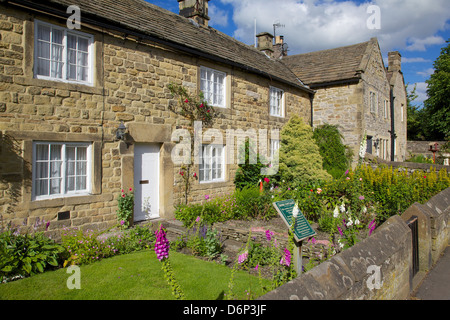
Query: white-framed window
x: 61, y: 169
x: 274, y: 147
x: 62, y: 54
x: 373, y: 102
x: 276, y: 102
x: 213, y: 86
x: 211, y: 168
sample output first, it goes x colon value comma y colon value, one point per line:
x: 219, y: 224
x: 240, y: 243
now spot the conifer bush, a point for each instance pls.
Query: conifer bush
x: 299, y: 156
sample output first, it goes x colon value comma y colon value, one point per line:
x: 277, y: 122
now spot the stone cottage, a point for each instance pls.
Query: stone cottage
x: 355, y: 91
x: 74, y: 74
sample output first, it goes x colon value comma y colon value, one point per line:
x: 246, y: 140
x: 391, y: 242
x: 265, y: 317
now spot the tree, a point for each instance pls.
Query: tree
x: 300, y: 159
x: 336, y: 155
x: 437, y: 106
x: 416, y: 118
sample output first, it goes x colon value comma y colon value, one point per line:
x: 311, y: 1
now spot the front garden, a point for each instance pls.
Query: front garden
x: 345, y: 205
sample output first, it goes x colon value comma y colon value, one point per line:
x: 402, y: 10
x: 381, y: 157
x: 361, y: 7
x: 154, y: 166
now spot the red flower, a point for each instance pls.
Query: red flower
x: 182, y: 173
x: 424, y: 177
x: 131, y: 189
x: 311, y: 190
x: 207, y: 110
x: 201, y: 106
x: 266, y: 180
x: 186, y: 100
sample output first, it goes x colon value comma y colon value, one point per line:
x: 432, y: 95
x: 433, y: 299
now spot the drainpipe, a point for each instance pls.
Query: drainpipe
x: 393, y: 134
x: 311, y: 100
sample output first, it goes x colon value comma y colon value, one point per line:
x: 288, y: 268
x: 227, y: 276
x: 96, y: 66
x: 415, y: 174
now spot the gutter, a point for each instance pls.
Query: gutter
x: 337, y: 82
x: 106, y: 24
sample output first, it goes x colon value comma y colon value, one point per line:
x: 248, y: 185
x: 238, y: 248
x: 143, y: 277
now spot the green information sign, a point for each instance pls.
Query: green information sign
x: 302, y: 228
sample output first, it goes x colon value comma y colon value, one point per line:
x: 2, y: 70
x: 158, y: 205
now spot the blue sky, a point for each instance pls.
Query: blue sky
x: 417, y: 29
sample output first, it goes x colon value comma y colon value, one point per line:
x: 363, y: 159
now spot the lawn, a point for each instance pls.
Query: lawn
x: 136, y: 276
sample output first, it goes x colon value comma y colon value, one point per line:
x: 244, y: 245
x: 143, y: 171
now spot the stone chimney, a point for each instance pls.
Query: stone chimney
x: 279, y: 48
x: 395, y: 61
x: 196, y: 10
x: 265, y: 43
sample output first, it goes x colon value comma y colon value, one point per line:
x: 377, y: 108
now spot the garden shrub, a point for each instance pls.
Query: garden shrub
x: 26, y: 254
x: 336, y: 156
x: 84, y: 247
x: 251, y: 203
x: 249, y: 174
x: 248, y: 203
x: 299, y: 157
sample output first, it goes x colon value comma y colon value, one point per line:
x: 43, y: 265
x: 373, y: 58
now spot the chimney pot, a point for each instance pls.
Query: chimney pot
x: 395, y: 61
x: 196, y: 10
x: 265, y: 43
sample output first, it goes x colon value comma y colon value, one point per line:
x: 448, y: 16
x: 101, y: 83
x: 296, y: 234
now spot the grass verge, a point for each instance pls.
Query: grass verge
x: 136, y: 276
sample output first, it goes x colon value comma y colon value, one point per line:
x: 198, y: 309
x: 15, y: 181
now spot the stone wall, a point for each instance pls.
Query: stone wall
x: 130, y: 78
x: 422, y: 147
x: 379, y: 267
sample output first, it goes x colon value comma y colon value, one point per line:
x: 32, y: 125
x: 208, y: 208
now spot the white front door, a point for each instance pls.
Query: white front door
x: 146, y: 181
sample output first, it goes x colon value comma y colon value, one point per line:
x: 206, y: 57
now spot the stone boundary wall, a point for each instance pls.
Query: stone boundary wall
x: 379, y: 267
x: 421, y: 147
x: 409, y: 166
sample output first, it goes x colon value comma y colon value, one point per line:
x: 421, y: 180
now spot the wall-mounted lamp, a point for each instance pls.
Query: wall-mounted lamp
x: 121, y: 132
x: 376, y: 143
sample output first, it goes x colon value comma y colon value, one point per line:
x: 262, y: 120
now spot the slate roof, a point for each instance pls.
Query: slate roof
x: 155, y: 23
x: 332, y: 65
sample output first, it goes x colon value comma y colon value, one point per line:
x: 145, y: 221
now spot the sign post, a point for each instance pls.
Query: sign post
x: 302, y: 229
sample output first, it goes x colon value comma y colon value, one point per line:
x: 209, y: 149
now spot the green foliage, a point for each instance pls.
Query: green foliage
x: 420, y: 158
x: 27, y: 254
x: 192, y: 107
x: 254, y: 204
x: 336, y: 156
x: 125, y: 208
x: 299, y: 156
x: 248, y: 203
x: 437, y: 106
x: 169, y: 275
x: 84, y: 247
x: 249, y: 173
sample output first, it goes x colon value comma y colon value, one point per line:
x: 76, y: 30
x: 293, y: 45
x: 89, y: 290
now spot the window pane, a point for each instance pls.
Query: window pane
x: 70, y: 184
x: 44, y: 50
x: 55, y: 169
x: 41, y: 170
x: 43, y: 68
x: 43, y: 33
x: 71, y: 41
x: 42, y: 152
x: 83, y: 59
x: 70, y: 168
x: 57, y: 36
x: 81, y: 153
x: 55, y: 152
x: 82, y: 73
x: 72, y: 72
x: 81, y: 168
x: 42, y: 187
x: 57, y: 68
x: 81, y: 183
x: 83, y: 44
x: 55, y: 186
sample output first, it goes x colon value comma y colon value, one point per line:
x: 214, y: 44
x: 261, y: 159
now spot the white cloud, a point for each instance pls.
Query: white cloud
x: 420, y: 44
x: 218, y: 17
x: 322, y: 24
x: 427, y: 73
x: 414, y: 60
x: 421, y: 92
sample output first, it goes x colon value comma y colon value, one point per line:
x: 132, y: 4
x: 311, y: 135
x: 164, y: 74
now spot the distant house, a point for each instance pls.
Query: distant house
x: 64, y: 92
x: 355, y: 91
